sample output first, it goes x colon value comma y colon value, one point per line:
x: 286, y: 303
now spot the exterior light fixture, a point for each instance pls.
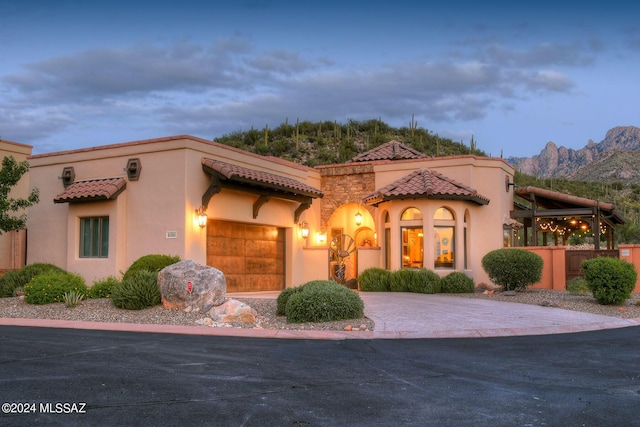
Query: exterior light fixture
x: 304, y: 229
x: 201, y: 213
x: 358, y: 217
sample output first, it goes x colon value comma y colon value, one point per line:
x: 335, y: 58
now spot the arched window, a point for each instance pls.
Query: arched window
x: 411, y: 214
x: 412, y: 238
x: 444, y: 238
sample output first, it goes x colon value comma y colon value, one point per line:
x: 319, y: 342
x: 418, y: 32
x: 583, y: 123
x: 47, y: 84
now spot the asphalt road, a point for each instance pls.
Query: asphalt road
x: 82, y: 377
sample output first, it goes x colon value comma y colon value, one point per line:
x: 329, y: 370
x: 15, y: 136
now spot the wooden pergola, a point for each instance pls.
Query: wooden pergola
x: 561, y: 214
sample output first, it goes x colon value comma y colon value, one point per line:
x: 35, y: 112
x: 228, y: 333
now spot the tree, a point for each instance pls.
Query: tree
x: 10, y: 174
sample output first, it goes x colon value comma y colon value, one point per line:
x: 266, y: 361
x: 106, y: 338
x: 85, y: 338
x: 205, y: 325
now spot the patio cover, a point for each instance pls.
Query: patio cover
x: 552, y: 204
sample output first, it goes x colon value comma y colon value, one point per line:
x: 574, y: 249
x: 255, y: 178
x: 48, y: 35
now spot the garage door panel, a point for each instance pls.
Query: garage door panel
x: 261, y: 248
x: 225, y: 246
x: 225, y: 229
x: 230, y: 265
x: 262, y: 265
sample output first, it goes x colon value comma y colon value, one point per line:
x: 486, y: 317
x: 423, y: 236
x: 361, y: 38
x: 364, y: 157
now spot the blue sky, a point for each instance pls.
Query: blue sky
x: 76, y: 74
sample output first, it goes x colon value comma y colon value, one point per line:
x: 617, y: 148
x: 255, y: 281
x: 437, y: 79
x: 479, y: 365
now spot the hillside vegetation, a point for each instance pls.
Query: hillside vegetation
x: 328, y: 142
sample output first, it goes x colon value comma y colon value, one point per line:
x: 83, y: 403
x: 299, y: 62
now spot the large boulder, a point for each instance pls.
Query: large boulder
x: 190, y: 286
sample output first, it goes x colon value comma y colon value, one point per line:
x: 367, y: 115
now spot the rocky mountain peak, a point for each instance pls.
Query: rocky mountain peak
x: 554, y: 161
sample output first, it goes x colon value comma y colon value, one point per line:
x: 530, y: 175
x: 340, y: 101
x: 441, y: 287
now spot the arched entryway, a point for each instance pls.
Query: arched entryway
x: 350, y: 222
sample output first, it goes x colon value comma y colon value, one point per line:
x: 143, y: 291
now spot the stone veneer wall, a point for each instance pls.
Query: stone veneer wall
x: 343, y: 184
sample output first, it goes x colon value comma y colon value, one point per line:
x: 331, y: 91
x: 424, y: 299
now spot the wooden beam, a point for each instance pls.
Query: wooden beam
x: 258, y: 204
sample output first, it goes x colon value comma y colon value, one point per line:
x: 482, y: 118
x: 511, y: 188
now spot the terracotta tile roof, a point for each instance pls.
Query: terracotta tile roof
x: 392, y: 150
x: 92, y: 190
x: 242, y: 175
x: 425, y: 183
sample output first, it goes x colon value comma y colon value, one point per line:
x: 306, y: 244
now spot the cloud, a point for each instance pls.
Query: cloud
x: 186, y: 87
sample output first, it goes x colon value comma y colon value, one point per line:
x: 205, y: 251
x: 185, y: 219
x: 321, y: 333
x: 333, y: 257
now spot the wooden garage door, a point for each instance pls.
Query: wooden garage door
x: 250, y: 256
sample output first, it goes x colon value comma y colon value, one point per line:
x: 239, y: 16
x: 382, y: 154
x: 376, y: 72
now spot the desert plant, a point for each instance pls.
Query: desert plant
x: 578, y: 286
x: 323, y: 301
x: 425, y: 282
x: 513, y: 269
x: 419, y: 280
x: 283, y: 298
x: 13, y: 280
x: 611, y: 280
x: 152, y: 263
x: 399, y: 281
x: 72, y: 298
x: 137, y: 292
x: 102, y: 288
x: 457, y: 283
x: 48, y: 288
x: 375, y: 280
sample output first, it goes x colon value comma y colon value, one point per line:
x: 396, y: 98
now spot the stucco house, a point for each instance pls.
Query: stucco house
x: 265, y: 222
x: 13, y: 244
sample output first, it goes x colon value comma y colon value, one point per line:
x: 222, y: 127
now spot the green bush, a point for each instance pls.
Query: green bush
x: 419, y: 280
x: 578, y: 286
x: 513, y: 269
x: 399, y: 281
x: 153, y: 263
x: 323, y: 301
x: 102, y: 288
x: 375, y: 280
x: 50, y: 287
x: 283, y: 298
x: 137, y: 292
x: 611, y: 280
x: 457, y: 283
x: 16, y: 279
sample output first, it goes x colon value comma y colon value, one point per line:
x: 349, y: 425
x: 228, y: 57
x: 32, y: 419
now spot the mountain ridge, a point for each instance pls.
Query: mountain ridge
x: 609, y: 160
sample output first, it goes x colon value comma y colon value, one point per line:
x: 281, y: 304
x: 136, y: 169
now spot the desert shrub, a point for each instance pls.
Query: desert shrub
x: 513, y: 269
x: 137, y: 292
x: 425, y: 282
x: 457, y: 283
x: 323, y: 301
x: 611, y: 280
x: 399, y: 281
x: 283, y: 298
x: 50, y: 287
x: 102, y: 288
x: 13, y: 280
x: 578, y: 286
x: 375, y: 280
x: 419, y: 280
x: 152, y: 263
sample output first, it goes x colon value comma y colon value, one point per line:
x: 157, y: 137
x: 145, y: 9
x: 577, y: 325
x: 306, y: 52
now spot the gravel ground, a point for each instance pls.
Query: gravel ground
x: 102, y: 310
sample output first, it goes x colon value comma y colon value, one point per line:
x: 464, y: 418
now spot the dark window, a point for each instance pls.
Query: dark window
x: 94, y: 237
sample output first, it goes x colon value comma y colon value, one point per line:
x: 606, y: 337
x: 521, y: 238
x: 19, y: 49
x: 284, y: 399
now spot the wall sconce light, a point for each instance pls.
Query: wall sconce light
x: 321, y: 238
x: 358, y: 217
x: 304, y: 229
x: 201, y: 213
